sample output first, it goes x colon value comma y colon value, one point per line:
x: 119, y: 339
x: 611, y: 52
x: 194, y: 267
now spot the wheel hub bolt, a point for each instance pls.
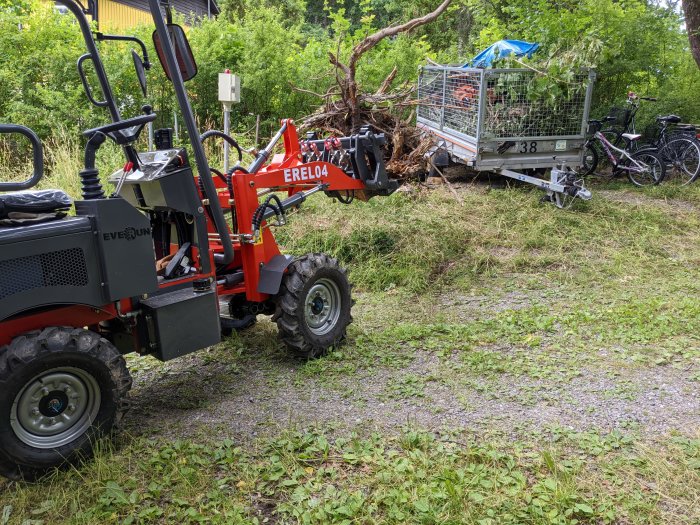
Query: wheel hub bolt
x: 71, y: 407
x: 44, y: 391
x: 52, y: 420
x: 66, y: 389
x: 35, y: 411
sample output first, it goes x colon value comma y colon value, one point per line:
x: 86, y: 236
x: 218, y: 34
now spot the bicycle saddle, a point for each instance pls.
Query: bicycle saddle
x: 601, y: 121
x: 671, y: 119
x: 632, y: 136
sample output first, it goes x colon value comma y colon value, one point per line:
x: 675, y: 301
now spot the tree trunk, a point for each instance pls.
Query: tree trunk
x: 347, y: 82
x: 691, y: 8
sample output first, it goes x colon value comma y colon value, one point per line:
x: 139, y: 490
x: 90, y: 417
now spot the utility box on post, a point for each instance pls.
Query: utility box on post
x: 229, y: 88
x: 229, y: 93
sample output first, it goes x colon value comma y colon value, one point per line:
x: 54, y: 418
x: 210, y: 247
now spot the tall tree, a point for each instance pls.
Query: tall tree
x: 692, y: 24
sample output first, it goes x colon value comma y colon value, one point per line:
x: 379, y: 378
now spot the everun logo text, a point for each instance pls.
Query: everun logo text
x: 128, y: 234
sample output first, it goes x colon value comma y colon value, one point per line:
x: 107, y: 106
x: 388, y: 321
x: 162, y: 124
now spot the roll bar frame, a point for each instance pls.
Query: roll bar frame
x: 38, y: 158
x: 193, y: 133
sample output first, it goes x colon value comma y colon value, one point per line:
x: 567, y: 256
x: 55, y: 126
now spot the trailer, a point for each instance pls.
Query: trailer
x: 507, y: 121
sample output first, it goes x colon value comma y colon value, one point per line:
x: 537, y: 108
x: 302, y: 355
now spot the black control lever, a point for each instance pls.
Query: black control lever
x: 177, y: 265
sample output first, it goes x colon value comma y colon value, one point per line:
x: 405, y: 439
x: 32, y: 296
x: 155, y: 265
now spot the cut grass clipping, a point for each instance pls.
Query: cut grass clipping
x: 499, y: 287
x: 417, y: 477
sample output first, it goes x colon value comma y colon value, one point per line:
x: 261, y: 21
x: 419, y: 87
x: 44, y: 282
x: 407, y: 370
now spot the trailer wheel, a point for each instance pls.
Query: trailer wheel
x: 313, y: 306
x: 590, y: 159
x: 61, y: 389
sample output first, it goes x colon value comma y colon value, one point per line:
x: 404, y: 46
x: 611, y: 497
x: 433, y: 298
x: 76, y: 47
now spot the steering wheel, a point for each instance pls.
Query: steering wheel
x: 115, y: 129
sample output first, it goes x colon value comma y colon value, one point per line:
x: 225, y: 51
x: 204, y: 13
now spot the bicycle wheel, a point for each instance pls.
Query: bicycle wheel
x: 589, y: 160
x: 682, y: 158
x: 645, y: 168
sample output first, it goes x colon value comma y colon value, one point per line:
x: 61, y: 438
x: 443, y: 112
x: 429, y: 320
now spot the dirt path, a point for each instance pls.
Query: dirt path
x: 243, y: 397
x: 248, y: 386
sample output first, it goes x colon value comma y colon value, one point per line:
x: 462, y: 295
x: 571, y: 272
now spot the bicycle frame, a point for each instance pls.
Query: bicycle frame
x: 615, y: 161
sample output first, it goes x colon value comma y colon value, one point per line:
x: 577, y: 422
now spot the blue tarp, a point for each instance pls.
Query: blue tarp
x: 501, y: 49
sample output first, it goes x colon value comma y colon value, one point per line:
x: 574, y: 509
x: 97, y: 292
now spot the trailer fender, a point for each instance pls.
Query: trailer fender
x: 271, y: 274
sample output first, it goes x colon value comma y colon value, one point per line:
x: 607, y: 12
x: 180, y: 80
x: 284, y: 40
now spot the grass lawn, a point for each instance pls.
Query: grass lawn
x: 509, y: 363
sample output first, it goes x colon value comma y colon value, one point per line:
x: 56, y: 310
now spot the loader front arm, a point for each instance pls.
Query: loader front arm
x: 344, y: 167
x: 354, y: 163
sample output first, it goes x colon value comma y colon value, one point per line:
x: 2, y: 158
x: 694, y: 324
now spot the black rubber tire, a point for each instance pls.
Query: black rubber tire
x: 647, y: 157
x: 590, y: 160
x: 289, y: 314
x: 681, y: 155
x: 36, y: 352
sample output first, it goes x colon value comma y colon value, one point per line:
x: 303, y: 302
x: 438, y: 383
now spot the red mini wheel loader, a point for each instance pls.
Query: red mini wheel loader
x: 161, y: 266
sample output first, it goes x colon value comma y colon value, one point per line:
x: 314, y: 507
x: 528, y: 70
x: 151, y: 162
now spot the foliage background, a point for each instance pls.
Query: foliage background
x: 635, y: 44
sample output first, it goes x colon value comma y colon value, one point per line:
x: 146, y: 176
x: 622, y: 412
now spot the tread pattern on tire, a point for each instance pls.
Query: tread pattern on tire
x: 32, y: 345
x: 288, y: 304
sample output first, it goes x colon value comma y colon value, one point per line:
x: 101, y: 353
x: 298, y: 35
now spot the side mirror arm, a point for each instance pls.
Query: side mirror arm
x: 123, y: 38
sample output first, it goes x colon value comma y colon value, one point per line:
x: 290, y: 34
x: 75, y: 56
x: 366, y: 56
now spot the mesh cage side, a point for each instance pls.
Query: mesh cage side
x: 462, y: 90
x: 449, y: 98
x: 520, y: 105
x: 430, y: 90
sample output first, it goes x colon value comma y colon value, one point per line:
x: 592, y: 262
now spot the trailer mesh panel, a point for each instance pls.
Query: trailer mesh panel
x: 450, y: 98
x: 58, y: 268
x: 501, y: 104
x: 522, y: 104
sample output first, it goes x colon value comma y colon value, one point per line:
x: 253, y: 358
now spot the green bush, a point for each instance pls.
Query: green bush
x: 277, y: 47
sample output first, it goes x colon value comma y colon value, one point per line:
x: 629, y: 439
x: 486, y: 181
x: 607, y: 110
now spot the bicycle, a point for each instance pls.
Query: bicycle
x: 678, y: 147
x: 623, y: 121
x: 643, y: 167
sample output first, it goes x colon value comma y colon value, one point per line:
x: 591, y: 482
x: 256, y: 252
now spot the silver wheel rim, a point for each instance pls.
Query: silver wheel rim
x: 322, y: 306
x: 648, y: 170
x: 684, y: 161
x: 55, y: 408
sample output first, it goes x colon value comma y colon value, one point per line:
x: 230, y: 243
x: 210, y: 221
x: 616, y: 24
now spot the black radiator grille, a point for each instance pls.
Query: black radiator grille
x: 59, y: 268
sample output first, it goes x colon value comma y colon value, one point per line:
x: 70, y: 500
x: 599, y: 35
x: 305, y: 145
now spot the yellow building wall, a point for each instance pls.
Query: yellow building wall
x: 113, y: 15
x: 119, y: 17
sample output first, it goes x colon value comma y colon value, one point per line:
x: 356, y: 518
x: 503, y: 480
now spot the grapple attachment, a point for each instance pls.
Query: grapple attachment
x: 360, y: 156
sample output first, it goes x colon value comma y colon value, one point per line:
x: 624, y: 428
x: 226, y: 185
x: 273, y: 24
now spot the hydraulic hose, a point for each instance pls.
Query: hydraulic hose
x: 222, y: 135
x: 259, y: 214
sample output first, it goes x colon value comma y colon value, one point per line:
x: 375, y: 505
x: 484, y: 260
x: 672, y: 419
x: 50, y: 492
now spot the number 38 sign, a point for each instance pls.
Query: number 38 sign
x: 526, y: 146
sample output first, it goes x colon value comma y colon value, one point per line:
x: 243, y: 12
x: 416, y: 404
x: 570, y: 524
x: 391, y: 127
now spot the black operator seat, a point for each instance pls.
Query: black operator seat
x: 35, y: 215
x: 33, y: 207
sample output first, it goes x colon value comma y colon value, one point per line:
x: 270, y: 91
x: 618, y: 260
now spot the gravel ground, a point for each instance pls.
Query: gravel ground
x: 260, y: 396
x: 263, y: 391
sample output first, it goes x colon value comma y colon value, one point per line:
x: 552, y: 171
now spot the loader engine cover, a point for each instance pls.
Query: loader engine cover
x: 47, y: 264
x: 125, y: 247
x: 102, y: 255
